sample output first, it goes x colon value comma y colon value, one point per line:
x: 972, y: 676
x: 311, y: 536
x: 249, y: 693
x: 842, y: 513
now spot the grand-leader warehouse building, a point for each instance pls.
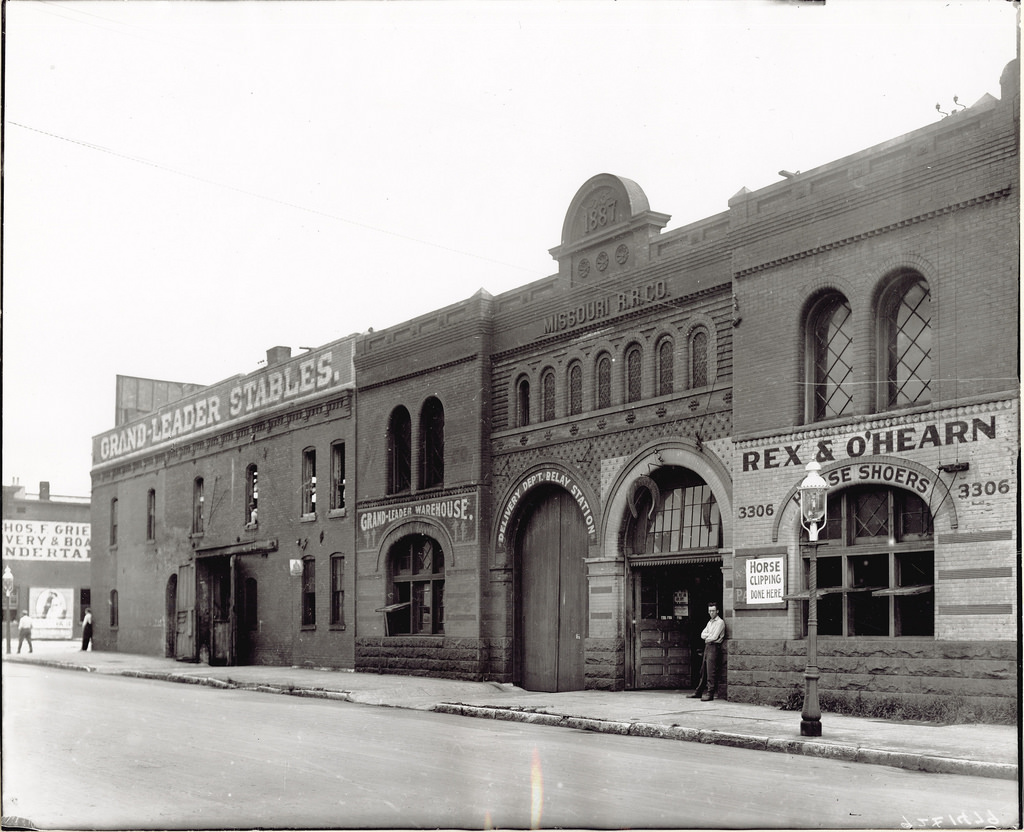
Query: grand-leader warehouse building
x: 552, y: 483
x: 222, y: 519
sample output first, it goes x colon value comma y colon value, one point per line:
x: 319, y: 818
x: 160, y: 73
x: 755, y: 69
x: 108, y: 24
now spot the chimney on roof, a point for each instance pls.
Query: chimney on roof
x: 44, y: 491
x: 275, y: 355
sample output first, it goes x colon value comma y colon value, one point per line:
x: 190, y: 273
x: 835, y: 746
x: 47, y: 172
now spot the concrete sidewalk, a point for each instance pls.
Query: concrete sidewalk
x: 978, y: 750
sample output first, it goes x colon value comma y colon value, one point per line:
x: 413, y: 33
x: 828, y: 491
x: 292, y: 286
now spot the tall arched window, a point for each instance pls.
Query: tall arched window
x: 634, y: 373
x: 830, y: 355
x: 604, y: 381
x: 699, y: 358
x: 906, y: 320
x: 431, y: 443
x: 666, y: 368
x: 252, y: 494
x: 523, y: 402
x: 198, y: 499
x: 114, y: 612
x: 680, y: 513
x: 113, y: 522
x: 416, y: 596
x: 399, y: 451
x: 151, y: 514
x: 547, y: 395
x: 575, y: 388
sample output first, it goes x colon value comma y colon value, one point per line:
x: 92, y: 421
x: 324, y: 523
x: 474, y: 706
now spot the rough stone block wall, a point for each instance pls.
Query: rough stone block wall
x: 442, y: 658
x: 604, y: 667
x: 767, y: 671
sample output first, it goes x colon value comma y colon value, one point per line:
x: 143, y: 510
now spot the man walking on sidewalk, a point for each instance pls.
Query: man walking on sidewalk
x: 25, y: 630
x: 713, y: 635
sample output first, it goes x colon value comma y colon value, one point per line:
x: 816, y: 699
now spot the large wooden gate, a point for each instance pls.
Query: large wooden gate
x: 552, y: 595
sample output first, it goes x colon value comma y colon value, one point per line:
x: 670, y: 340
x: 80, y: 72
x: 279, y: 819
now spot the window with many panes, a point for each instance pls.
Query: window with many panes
x: 252, y: 495
x: 431, y: 443
x: 604, y: 381
x: 308, y: 592
x: 547, y: 395
x: 685, y: 515
x: 666, y: 367
x: 699, y: 358
x: 113, y: 522
x: 875, y: 565
x: 575, y: 388
x: 399, y: 451
x: 830, y: 358
x: 634, y: 372
x: 151, y: 514
x: 309, y: 482
x: 337, y: 590
x: 416, y: 601
x: 337, y: 476
x: 198, y: 500
x: 906, y: 319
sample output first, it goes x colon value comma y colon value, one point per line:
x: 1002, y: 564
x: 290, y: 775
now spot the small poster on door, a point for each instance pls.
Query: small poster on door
x: 52, y: 612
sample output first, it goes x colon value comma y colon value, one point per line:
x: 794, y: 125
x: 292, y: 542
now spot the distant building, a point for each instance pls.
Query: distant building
x: 548, y: 486
x: 47, y: 543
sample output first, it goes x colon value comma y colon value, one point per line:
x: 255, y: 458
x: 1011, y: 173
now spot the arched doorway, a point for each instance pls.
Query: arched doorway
x: 551, y: 593
x: 170, y: 615
x: 672, y: 539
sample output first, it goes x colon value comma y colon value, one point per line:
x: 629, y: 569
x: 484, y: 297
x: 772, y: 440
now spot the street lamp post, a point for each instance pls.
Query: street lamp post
x: 8, y: 589
x: 813, y: 501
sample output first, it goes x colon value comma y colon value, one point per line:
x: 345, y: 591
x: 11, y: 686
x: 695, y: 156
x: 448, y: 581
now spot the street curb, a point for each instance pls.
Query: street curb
x: 844, y: 753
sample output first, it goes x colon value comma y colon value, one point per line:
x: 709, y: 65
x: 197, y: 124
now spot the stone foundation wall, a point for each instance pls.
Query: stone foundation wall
x: 767, y: 671
x: 442, y: 658
x: 605, y: 666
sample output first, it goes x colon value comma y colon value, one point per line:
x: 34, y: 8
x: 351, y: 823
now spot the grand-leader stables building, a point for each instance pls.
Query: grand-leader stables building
x: 549, y: 485
x: 222, y: 519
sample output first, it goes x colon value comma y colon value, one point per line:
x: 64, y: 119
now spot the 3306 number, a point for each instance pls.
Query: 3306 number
x: 978, y: 489
x: 756, y: 511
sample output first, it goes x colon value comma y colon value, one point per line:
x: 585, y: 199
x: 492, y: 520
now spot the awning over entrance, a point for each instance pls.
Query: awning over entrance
x: 673, y: 560
x: 252, y: 547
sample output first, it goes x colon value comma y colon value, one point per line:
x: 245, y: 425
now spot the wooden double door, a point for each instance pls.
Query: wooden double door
x: 551, y: 594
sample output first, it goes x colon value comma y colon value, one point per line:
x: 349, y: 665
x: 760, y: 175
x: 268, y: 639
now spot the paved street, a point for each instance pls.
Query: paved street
x: 84, y: 750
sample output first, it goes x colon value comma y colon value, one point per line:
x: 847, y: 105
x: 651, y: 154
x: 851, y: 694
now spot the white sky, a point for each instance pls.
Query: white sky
x: 188, y: 184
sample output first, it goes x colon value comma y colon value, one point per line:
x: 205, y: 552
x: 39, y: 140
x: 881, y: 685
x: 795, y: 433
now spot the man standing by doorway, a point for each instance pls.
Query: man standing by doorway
x: 713, y: 635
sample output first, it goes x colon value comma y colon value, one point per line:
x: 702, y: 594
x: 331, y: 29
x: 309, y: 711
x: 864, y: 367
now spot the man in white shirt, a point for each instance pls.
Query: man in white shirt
x: 25, y: 630
x: 713, y: 635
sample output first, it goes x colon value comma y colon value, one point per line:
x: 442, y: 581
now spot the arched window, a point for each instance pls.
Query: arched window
x: 416, y: 597
x: 197, y: 505
x: 666, y: 368
x: 113, y: 610
x: 547, y: 395
x: 575, y: 388
x: 252, y: 494
x: 685, y: 515
x: 399, y: 451
x: 634, y: 372
x: 151, y: 514
x: 308, y: 592
x: 876, y: 564
x: 699, y: 357
x: 309, y: 482
x: 523, y: 402
x: 113, y: 522
x: 604, y: 381
x: 431, y: 443
x: 906, y: 320
x: 830, y: 356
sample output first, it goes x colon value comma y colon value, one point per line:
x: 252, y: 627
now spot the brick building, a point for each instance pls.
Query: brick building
x: 47, y: 548
x: 550, y: 484
x: 225, y: 528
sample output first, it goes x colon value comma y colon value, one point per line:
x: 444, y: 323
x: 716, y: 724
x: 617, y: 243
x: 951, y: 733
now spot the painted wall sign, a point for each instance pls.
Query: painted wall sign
x: 51, y: 611
x: 458, y: 514
x: 918, y: 436
x: 606, y: 307
x: 46, y: 540
x: 554, y: 477
x: 221, y: 405
x: 762, y: 582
